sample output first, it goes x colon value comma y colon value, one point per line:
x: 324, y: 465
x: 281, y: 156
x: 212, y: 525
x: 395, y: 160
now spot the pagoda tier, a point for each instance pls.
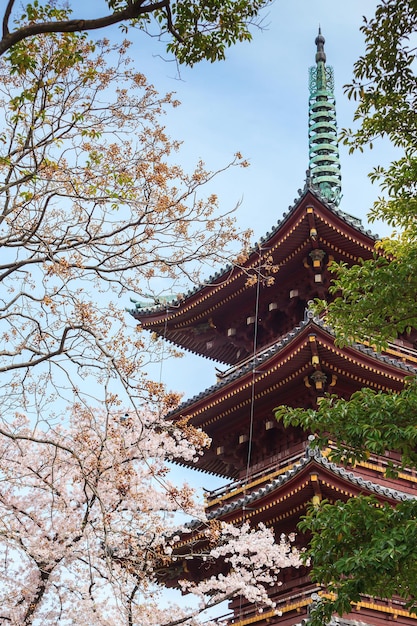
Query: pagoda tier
x: 296, y: 371
x: 217, y: 319
x: 278, y: 498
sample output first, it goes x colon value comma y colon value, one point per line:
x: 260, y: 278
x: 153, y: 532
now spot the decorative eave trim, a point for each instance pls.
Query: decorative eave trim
x: 229, y: 273
x: 314, y: 324
x: 311, y: 455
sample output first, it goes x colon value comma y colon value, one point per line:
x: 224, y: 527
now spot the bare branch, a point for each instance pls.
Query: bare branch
x: 132, y: 11
x: 6, y: 17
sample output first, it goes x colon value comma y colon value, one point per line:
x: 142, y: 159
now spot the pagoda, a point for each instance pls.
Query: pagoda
x: 270, y: 350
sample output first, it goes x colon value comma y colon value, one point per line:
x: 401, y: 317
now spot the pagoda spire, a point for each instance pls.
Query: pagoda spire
x: 324, y: 161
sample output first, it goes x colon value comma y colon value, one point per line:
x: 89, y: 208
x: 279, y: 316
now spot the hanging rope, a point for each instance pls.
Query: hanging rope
x: 252, y: 401
x: 255, y: 347
x: 162, y: 356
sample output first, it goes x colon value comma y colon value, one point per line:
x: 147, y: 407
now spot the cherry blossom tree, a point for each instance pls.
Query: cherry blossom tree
x: 94, y: 209
x: 88, y: 525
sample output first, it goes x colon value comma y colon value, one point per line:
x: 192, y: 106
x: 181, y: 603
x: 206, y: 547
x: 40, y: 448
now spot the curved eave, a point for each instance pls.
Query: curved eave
x: 282, y: 376
x: 289, y: 354
x: 188, y: 322
x: 299, y: 484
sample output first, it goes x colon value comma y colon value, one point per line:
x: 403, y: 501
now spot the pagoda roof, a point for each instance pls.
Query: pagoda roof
x: 282, y: 374
x: 262, y: 357
x: 202, y: 320
x: 312, y: 458
x: 280, y: 500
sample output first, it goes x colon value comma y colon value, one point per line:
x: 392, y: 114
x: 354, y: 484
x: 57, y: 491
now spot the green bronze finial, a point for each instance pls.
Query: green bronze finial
x: 322, y: 129
x: 320, y: 41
